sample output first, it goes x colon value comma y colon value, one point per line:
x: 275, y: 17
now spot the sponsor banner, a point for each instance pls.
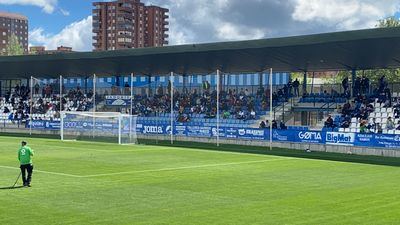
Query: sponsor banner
x: 199, y: 131
x: 118, y: 100
x: 337, y: 138
x: 181, y: 129
x: 231, y: 132
x: 387, y: 140
x: 42, y: 124
x: 281, y: 135
x: 251, y: 134
x: 367, y: 140
x: 310, y: 137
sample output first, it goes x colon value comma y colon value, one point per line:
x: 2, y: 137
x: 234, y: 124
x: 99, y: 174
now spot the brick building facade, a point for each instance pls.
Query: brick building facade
x: 11, y: 23
x: 125, y: 24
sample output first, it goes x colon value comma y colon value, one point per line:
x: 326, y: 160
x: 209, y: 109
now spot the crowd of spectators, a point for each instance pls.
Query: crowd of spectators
x: 17, y: 104
x: 362, y: 106
x: 275, y: 125
x: 239, y: 104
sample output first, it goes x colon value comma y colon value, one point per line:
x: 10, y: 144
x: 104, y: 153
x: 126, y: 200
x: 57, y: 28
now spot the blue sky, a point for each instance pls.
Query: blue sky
x: 55, y: 21
x: 68, y: 22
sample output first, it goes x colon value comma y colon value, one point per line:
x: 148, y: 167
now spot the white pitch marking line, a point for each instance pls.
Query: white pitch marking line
x: 185, y: 167
x: 46, y: 172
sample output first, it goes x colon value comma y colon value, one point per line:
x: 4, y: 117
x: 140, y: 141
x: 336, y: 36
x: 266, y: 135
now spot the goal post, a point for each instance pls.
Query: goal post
x: 98, y: 126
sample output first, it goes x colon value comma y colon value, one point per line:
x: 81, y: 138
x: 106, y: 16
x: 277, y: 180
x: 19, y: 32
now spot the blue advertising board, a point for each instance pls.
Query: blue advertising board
x: 118, y: 100
x: 183, y: 130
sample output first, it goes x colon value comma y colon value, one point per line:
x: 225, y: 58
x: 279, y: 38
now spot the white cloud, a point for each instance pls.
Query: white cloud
x: 197, y: 21
x: 227, y: 32
x: 344, y: 14
x: 47, y: 6
x: 77, y: 35
x: 64, y: 12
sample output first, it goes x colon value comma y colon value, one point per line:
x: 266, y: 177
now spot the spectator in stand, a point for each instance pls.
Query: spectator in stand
x: 282, y: 125
x: 252, y: 115
x: 262, y: 125
x: 37, y: 89
x: 382, y: 84
x: 329, y: 122
x: 379, y: 129
x: 357, y: 86
x: 345, y: 85
x: 274, y: 124
x: 364, y: 85
x: 346, y: 108
x: 267, y: 124
x: 260, y: 91
x: 127, y: 90
x: 296, y: 85
x: 346, y: 122
x: 372, y: 126
x: 390, y: 124
x: 363, y: 127
x: 226, y: 115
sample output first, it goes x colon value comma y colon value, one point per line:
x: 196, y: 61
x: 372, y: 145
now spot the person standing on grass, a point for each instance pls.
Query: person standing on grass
x: 25, y: 155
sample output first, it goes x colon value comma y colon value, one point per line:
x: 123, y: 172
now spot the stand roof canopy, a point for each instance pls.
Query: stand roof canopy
x: 361, y: 49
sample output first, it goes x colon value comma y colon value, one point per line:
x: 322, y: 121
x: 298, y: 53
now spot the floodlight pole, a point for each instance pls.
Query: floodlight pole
x: 31, y: 108
x: 218, y: 84
x: 270, y: 109
x: 172, y: 107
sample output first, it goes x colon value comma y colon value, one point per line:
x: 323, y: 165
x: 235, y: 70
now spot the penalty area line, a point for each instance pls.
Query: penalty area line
x: 186, y: 167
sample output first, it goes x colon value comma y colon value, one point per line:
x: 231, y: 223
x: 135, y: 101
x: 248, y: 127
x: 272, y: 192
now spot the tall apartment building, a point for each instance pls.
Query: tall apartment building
x: 128, y: 24
x: 11, y: 23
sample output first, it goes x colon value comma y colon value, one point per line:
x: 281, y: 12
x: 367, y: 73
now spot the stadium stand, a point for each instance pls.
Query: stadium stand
x: 15, y: 105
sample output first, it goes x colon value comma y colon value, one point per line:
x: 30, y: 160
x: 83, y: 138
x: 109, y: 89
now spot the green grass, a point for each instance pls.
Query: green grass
x: 100, y: 183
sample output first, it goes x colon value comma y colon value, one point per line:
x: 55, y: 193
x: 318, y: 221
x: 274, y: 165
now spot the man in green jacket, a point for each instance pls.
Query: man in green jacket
x: 25, y: 155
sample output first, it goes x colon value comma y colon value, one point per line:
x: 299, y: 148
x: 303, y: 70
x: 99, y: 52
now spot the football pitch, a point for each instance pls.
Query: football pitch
x: 101, y: 183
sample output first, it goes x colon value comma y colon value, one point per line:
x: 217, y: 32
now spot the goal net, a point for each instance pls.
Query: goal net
x: 98, y: 126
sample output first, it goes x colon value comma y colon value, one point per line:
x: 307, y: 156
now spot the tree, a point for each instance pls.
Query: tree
x: 388, y: 22
x: 14, y: 47
x: 392, y: 75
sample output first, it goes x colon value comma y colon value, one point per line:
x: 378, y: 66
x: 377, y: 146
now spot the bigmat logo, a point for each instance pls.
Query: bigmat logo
x: 340, y: 138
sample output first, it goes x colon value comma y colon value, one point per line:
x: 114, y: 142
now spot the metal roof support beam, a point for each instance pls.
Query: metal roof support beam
x: 172, y: 107
x: 353, y: 79
x: 304, y: 82
x: 218, y: 114
x: 270, y: 109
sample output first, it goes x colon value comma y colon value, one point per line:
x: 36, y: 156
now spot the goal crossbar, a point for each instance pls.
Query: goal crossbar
x: 97, y: 126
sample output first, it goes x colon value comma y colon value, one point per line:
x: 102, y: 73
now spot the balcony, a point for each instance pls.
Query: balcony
x: 125, y: 7
x: 125, y: 15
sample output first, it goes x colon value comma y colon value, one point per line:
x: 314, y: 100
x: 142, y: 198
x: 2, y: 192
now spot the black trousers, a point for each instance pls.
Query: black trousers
x: 28, y: 168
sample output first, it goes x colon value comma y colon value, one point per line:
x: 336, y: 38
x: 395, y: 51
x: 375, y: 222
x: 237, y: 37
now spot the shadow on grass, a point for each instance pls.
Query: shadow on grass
x: 10, y: 188
x: 375, y: 160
